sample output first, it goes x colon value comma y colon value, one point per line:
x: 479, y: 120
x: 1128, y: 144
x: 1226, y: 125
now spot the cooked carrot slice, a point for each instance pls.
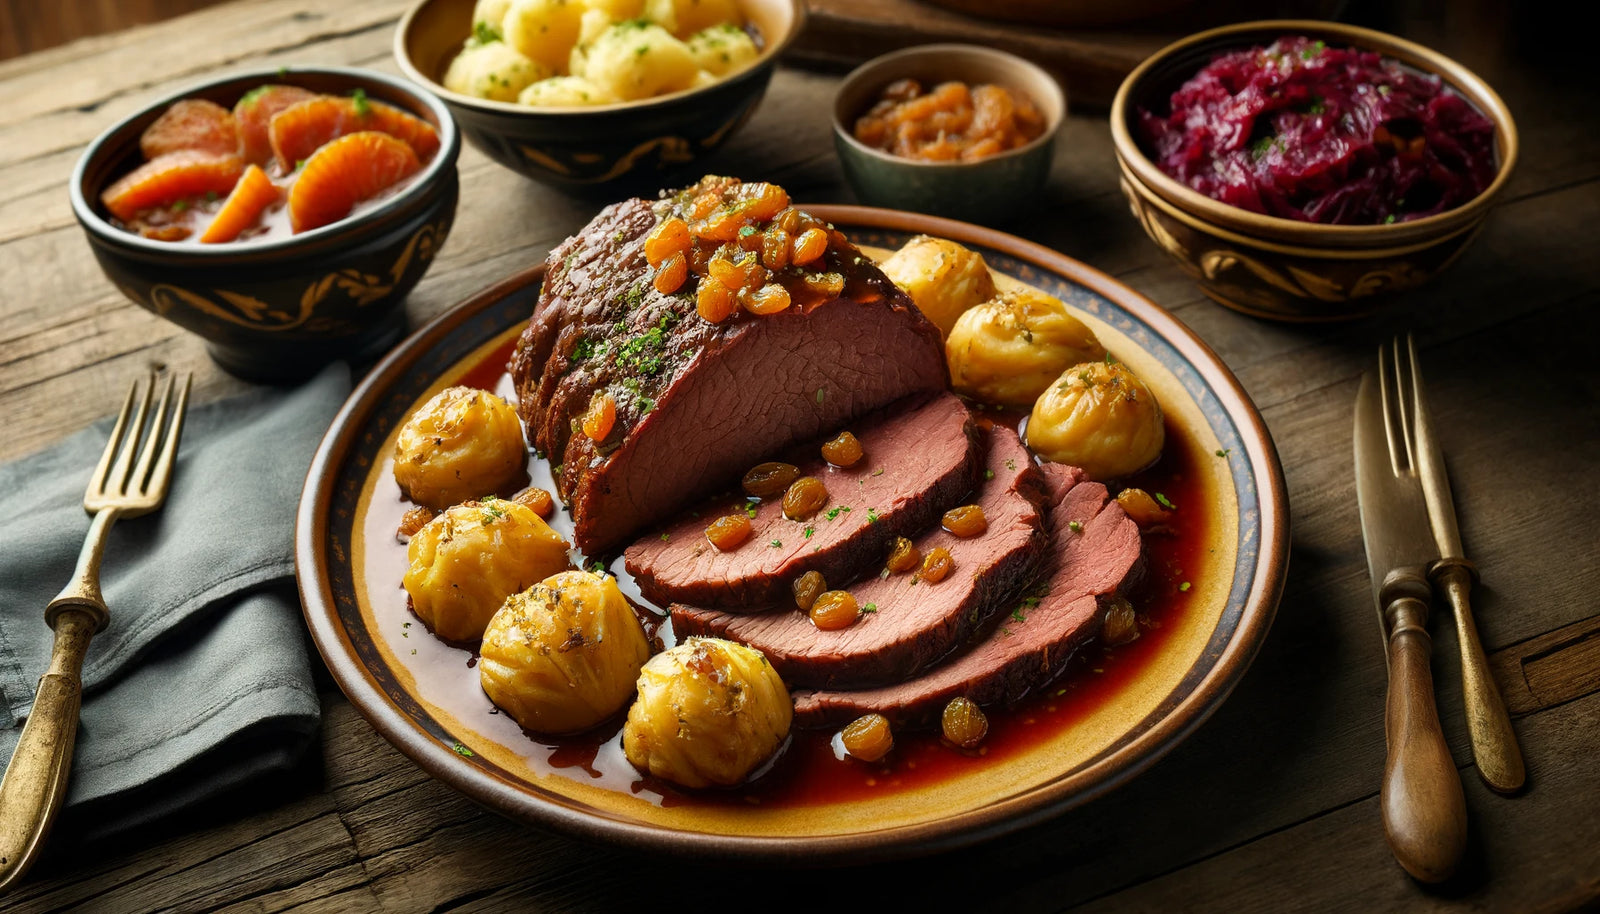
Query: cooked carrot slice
x: 192, y: 123
x: 169, y: 178
x: 254, y: 193
x: 344, y: 172
x: 253, y: 115
x: 301, y: 129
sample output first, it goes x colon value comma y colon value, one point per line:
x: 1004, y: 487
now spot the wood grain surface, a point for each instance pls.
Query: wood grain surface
x: 1272, y: 805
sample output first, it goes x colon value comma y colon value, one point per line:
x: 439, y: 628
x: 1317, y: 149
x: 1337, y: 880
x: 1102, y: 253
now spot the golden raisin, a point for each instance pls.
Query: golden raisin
x: 936, y: 565
x: 414, y: 519
x: 843, y: 451
x: 825, y: 285
x: 769, y: 299
x: 704, y: 205
x: 1121, y: 625
x: 966, y: 521
x: 964, y: 723
x: 804, y: 497
x: 807, y: 588
x: 668, y: 238
x: 751, y: 240
x: 536, y: 500
x: 868, y: 737
x: 1140, y: 507
x: 729, y: 533
x: 730, y: 267
x: 671, y: 274
x: 714, y: 301
x: 760, y: 201
x: 775, y: 249
x: 812, y: 243
x: 833, y: 610
x: 768, y: 479
x: 903, y: 555
x: 600, y: 418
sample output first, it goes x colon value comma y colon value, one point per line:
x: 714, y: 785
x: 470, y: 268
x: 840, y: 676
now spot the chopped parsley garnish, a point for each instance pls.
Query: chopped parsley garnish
x: 808, y: 531
x: 1184, y: 586
x: 878, y: 471
x: 665, y: 537
x: 1311, y: 52
x: 1223, y: 452
x: 461, y: 750
x: 491, y: 510
x: 988, y: 474
x: 835, y: 512
x: 1317, y: 107
x: 1163, y: 500
x: 750, y: 509
x: 180, y: 206
x: 484, y: 33
x: 776, y: 544
x: 363, y: 107
x: 1389, y: 219
x: 1011, y: 464
x: 1074, y: 526
x: 1262, y: 147
x: 870, y: 608
x: 745, y: 231
x: 1017, y: 615
x: 597, y: 567
x: 872, y: 515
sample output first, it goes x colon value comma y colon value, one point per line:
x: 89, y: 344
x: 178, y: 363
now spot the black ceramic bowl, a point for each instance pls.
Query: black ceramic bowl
x: 276, y: 310
x: 628, y: 143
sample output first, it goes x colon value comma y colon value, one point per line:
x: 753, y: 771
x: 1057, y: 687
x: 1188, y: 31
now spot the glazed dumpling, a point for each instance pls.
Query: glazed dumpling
x: 494, y: 70
x: 1008, y: 349
x: 709, y: 712
x: 461, y: 444
x: 942, y: 277
x: 544, y: 31
x: 1098, y: 416
x: 637, y: 59
x: 722, y: 49
x: 465, y: 562
x: 563, y: 655
x: 685, y: 17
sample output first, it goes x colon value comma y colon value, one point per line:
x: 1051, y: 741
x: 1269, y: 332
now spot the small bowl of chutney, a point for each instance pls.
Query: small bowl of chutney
x: 283, y: 214
x: 948, y: 129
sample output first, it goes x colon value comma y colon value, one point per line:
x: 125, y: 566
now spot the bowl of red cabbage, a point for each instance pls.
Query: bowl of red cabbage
x: 1304, y: 170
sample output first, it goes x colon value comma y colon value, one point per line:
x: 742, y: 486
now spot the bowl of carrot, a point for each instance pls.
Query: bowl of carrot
x: 283, y: 215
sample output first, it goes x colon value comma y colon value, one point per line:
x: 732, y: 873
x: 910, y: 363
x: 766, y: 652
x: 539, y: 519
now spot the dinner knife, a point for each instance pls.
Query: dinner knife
x: 1494, y: 743
x: 1424, y: 810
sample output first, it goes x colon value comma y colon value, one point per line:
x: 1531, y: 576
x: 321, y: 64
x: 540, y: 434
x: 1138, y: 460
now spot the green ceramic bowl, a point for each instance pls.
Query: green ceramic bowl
x: 989, y: 190
x: 602, y: 146
x: 277, y: 310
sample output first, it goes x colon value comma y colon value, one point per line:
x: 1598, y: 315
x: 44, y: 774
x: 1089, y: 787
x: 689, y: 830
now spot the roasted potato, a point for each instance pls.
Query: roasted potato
x: 942, y: 277
x: 543, y: 30
x: 637, y: 59
x: 461, y: 444
x: 1008, y: 349
x: 685, y: 17
x: 465, y: 562
x: 709, y: 712
x: 722, y: 49
x: 494, y: 70
x: 1098, y: 416
x: 563, y: 655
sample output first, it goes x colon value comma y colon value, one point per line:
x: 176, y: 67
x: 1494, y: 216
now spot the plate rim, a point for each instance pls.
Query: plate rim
x: 1038, y: 804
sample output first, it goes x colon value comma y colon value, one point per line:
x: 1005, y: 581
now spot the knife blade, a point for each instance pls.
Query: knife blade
x: 1494, y: 742
x: 1424, y: 810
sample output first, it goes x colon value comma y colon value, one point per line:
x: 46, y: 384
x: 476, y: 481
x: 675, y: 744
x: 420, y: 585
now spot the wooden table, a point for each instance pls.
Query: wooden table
x: 1271, y: 805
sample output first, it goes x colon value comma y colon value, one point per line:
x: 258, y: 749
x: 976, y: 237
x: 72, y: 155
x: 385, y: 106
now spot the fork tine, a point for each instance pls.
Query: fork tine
x: 98, y: 479
x: 1404, y: 390
x: 117, y: 482
x: 158, y: 424
x: 1385, y: 394
x: 169, y: 451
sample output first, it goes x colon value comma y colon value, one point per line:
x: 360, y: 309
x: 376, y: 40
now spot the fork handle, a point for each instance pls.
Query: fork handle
x: 1494, y: 743
x: 35, y: 782
x: 1424, y: 811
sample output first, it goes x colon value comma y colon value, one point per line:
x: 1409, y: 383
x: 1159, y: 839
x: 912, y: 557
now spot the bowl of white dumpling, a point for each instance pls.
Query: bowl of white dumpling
x: 592, y: 93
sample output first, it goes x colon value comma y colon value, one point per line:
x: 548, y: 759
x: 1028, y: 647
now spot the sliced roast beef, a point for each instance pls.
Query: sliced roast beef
x: 1096, y: 550
x: 913, y: 623
x: 697, y: 402
x: 921, y: 457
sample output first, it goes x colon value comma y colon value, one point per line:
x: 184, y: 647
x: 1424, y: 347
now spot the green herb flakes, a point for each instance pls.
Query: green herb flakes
x: 1224, y: 452
x: 776, y: 544
x: 1184, y: 586
x: 1017, y: 615
x: 363, y: 107
x: 1074, y: 526
x: 1162, y: 499
x: 463, y: 751
x: 988, y: 474
x: 870, y: 608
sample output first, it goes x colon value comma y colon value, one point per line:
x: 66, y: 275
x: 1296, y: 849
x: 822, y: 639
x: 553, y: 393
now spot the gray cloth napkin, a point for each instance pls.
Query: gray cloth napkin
x: 201, y: 681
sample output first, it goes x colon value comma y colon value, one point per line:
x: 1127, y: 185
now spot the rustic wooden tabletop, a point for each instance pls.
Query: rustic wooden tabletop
x: 1271, y: 805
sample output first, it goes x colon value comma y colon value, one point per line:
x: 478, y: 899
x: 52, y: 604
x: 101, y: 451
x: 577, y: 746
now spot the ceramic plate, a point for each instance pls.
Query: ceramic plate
x: 1073, y: 744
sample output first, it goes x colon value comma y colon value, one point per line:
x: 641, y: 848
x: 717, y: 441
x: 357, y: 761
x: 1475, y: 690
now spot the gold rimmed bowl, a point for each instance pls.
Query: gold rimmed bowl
x: 1281, y: 268
x: 599, y: 146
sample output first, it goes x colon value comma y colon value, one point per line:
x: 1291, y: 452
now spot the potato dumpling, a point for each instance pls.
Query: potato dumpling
x: 685, y: 17
x: 563, y: 655
x: 466, y: 561
x: 1008, y: 349
x: 942, y: 277
x: 1098, y: 416
x: 636, y: 59
x: 543, y: 30
x: 709, y: 712
x: 722, y: 49
x: 461, y: 444
x: 495, y: 71
x: 563, y: 92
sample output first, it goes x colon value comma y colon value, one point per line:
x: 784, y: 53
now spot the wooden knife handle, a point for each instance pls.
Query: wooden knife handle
x: 1424, y: 811
x: 1494, y: 743
x: 35, y: 782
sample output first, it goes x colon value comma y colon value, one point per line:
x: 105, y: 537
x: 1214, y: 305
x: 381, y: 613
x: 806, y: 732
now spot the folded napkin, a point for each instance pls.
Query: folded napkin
x: 201, y: 681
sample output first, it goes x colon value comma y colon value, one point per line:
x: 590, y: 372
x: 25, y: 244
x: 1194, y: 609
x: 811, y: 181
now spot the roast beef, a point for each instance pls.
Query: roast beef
x: 913, y: 623
x: 697, y: 402
x: 1096, y: 550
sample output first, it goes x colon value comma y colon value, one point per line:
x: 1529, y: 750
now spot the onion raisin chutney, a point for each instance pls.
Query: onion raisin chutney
x: 1302, y: 130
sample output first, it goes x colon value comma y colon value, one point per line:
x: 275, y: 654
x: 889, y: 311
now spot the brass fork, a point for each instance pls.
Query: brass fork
x: 36, y: 780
